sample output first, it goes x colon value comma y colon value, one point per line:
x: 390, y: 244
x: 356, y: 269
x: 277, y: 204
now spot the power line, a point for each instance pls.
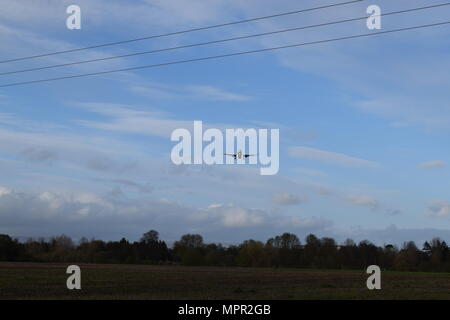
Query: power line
x: 226, y: 55
x: 182, y: 31
x: 219, y: 41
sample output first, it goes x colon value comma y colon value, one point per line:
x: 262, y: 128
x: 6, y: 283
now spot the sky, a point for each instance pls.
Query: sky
x: 364, y: 123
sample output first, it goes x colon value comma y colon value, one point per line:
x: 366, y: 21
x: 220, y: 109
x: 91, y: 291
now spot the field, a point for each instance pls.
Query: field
x: 48, y: 281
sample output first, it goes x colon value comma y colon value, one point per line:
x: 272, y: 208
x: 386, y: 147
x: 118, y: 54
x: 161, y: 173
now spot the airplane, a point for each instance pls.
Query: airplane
x: 239, y: 155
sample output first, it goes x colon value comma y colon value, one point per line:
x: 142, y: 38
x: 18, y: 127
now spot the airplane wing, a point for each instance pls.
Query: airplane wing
x: 229, y: 154
x: 249, y: 155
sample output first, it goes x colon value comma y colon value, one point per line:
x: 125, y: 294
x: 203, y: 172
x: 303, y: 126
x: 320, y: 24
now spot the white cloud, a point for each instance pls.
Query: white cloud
x: 213, y: 93
x: 124, y: 118
x: 196, y: 11
x: 363, y: 200
x: 330, y: 157
x: 239, y: 217
x: 285, y: 198
x: 432, y: 164
x: 4, y: 191
x: 128, y: 119
x: 304, y: 223
x: 408, y: 112
x: 201, y: 92
x: 231, y: 216
x: 310, y: 172
x: 137, y: 120
x: 45, y: 213
x: 438, y: 208
x: 19, y: 41
x: 158, y: 12
x: 93, y: 152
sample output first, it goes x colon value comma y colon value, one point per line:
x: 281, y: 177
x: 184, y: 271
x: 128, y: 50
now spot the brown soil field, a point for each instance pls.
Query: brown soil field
x: 102, y: 281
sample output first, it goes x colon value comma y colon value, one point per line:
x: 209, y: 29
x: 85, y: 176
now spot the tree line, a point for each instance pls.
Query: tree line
x: 285, y: 250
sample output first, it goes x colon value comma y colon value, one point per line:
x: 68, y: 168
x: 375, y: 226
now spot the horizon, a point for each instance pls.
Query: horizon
x: 171, y: 242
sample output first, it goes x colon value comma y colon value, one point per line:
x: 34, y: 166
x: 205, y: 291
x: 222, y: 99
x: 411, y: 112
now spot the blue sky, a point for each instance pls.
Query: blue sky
x: 364, y: 123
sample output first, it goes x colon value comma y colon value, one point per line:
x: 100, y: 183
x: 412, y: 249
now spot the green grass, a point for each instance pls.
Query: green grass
x: 48, y: 281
